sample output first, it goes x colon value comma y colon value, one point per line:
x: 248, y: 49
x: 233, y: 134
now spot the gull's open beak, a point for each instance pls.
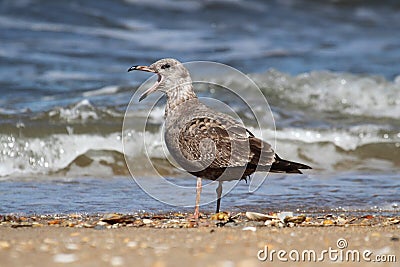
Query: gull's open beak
x: 151, y: 89
x: 142, y: 68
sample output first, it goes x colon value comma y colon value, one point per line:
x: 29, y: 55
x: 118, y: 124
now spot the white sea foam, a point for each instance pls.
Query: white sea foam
x: 107, y: 90
x: 45, y: 155
x: 343, y: 93
x: 81, y: 111
x: 29, y: 156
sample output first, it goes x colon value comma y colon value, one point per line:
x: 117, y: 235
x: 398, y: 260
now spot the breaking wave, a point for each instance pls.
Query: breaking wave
x: 331, y: 121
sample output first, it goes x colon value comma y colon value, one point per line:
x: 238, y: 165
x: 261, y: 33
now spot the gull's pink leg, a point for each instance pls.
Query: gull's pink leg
x: 198, y: 192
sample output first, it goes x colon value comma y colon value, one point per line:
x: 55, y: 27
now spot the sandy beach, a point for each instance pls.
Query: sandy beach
x: 246, y: 243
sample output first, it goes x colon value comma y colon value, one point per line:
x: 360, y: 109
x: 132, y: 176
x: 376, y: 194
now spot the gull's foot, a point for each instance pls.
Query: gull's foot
x: 194, y: 217
x: 194, y: 220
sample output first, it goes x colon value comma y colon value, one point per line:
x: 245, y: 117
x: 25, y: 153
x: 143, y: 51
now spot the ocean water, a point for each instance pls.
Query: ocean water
x: 330, y: 71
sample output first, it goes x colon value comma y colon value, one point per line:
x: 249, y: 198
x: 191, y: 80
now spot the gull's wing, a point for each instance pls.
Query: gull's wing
x: 223, y: 143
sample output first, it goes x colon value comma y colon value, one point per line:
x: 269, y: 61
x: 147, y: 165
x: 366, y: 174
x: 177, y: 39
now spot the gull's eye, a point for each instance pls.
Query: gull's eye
x: 165, y: 66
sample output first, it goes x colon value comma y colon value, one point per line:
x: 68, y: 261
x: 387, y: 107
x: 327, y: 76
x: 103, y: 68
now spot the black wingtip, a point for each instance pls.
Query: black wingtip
x: 286, y: 166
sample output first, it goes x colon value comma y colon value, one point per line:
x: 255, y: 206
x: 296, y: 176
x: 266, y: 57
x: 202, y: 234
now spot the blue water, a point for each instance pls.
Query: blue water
x: 56, y: 49
x: 301, y: 194
x: 330, y: 71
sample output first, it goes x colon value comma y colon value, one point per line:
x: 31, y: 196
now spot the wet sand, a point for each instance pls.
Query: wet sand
x: 55, y: 245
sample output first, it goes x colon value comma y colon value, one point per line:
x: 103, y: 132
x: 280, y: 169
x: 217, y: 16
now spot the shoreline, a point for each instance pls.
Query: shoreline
x: 282, y: 219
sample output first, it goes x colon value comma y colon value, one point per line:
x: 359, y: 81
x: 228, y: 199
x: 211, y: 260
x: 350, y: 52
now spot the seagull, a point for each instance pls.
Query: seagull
x: 206, y: 143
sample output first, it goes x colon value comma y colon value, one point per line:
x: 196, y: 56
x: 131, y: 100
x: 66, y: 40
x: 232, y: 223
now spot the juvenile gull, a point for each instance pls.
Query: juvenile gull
x: 207, y: 143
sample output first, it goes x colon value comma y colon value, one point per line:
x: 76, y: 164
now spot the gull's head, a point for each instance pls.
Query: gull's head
x: 171, y: 73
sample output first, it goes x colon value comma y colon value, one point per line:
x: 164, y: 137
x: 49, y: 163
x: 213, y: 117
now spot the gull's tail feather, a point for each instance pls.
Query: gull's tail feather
x: 286, y: 166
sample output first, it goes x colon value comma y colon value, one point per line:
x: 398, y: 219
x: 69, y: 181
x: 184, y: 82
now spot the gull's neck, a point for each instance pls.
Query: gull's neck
x: 178, y: 95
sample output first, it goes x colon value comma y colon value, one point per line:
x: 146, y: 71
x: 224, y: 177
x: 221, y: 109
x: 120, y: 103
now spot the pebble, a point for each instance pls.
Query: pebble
x: 49, y: 241
x: 114, y: 218
x: 132, y: 244
x: 220, y: 216
x: 249, y: 228
x: 21, y: 224
x: 44, y: 248
x: 342, y: 220
x: 65, y: 258
x: 255, y: 216
x: 117, y: 261
x: 4, y: 245
x: 282, y: 215
x: 270, y: 223
x: 68, y: 224
x: 88, y: 225
x: 147, y: 221
x: 76, y: 216
x: 295, y: 219
x: 71, y: 246
x: 54, y: 222
x: 328, y: 222
x: 376, y: 234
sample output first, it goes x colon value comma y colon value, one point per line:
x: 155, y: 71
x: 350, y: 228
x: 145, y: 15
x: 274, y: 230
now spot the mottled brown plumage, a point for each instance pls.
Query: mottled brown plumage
x: 207, y: 143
